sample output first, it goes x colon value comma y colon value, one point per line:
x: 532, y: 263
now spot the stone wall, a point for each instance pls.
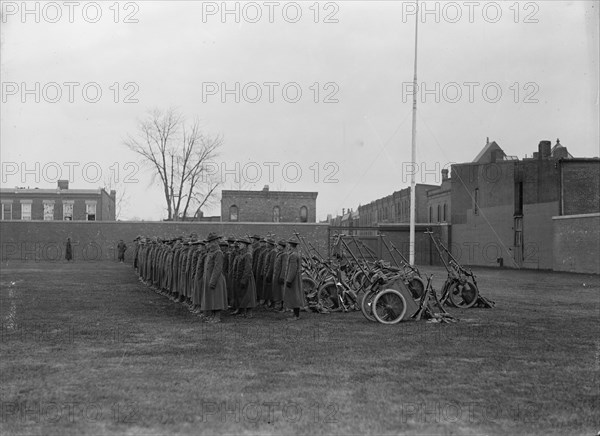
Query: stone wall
x: 45, y: 240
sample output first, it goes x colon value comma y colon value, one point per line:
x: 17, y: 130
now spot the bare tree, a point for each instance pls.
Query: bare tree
x: 179, y: 153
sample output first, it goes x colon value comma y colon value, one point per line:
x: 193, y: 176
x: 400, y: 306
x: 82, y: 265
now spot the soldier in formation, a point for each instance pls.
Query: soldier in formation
x: 212, y: 275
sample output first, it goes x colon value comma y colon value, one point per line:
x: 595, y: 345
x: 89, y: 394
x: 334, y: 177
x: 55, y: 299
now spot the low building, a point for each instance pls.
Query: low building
x: 269, y: 206
x: 503, y: 207
x: 62, y: 204
x: 439, y: 201
x: 395, y: 208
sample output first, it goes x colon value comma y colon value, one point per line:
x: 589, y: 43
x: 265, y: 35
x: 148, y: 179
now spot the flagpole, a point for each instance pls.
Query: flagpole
x: 413, y: 205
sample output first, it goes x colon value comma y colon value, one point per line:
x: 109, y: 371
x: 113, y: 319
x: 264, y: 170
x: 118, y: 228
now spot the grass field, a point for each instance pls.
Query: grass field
x: 88, y: 349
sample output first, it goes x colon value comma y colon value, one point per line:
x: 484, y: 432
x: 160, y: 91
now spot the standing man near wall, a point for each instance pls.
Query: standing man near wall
x: 269, y: 262
x: 278, y: 274
x: 136, y: 251
x: 293, y: 295
x: 198, y: 279
x: 259, y: 273
x: 121, y: 248
x: 69, y: 250
x: 214, y: 291
x: 245, y: 298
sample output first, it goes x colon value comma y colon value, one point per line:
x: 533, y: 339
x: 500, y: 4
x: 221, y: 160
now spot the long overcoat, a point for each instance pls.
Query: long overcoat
x: 293, y: 295
x: 199, y: 280
x: 278, y: 281
x: 214, y: 291
x: 246, y: 290
x: 268, y: 274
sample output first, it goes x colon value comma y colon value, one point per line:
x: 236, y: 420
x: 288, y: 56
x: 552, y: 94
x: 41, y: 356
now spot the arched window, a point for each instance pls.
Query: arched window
x: 445, y: 212
x: 430, y: 214
x: 233, y: 213
x: 439, y: 217
x: 303, y: 214
x: 276, y: 214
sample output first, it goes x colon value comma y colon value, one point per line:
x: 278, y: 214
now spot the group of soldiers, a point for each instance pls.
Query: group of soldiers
x: 215, y: 274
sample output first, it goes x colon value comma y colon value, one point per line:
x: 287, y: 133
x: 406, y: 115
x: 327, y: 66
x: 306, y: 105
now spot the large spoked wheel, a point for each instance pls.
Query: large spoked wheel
x: 389, y: 306
x: 359, y: 280
x: 328, y: 296
x: 417, y: 286
x: 464, y: 295
x: 366, y: 305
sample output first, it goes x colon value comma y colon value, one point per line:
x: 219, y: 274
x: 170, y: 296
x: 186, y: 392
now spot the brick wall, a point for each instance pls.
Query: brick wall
x: 45, y: 240
x: 485, y: 237
x: 580, y: 187
x: 576, y: 243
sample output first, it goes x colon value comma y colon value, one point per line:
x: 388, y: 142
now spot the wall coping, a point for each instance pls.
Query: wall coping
x: 586, y: 215
x: 185, y: 223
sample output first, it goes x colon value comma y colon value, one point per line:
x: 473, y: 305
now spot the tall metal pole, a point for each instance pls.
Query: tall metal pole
x: 413, y: 205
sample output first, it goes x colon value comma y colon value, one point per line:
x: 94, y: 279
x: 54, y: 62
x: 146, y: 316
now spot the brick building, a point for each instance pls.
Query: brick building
x: 347, y: 220
x: 60, y: 204
x: 395, y: 208
x: 503, y: 207
x: 269, y: 206
x: 439, y: 201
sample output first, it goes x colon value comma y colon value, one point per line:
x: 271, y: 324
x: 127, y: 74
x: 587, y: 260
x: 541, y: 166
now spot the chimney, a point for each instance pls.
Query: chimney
x: 266, y: 188
x: 444, y: 174
x: 63, y: 184
x: 343, y: 211
x: 544, y: 149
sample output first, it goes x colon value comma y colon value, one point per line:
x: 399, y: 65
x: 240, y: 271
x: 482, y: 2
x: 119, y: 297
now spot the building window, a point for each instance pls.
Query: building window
x: 276, y: 214
x: 303, y: 214
x: 26, y: 211
x: 48, y: 211
x: 445, y: 211
x: 518, y: 231
x: 476, y: 202
x: 430, y: 214
x: 90, y: 211
x: 68, y: 211
x: 233, y: 213
x: 6, y: 211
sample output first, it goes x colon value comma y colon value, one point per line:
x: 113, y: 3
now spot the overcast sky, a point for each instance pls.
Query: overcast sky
x: 515, y: 72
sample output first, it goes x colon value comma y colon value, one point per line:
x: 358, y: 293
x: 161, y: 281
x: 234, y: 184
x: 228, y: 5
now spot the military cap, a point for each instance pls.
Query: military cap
x: 212, y: 236
x: 223, y: 244
x: 257, y: 237
x: 270, y: 241
x: 245, y: 241
x: 230, y: 239
x: 282, y: 242
x: 293, y: 242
